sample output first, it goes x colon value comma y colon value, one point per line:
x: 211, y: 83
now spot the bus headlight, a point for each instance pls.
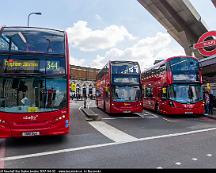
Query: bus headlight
x: 3, y: 124
x: 60, y: 118
x: 2, y: 121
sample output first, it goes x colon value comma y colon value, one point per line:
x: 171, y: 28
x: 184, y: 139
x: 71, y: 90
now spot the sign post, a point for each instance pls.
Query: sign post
x: 205, y: 42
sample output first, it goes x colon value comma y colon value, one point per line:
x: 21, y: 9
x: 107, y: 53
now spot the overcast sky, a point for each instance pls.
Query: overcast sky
x: 101, y: 30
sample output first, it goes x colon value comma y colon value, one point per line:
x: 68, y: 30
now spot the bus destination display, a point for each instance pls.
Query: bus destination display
x: 29, y: 66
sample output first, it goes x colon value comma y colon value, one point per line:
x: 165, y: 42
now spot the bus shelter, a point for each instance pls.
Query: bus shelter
x: 208, y: 66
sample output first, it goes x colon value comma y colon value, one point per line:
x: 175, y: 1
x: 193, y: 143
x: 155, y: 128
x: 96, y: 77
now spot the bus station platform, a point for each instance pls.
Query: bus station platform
x: 212, y: 116
x: 91, y: 116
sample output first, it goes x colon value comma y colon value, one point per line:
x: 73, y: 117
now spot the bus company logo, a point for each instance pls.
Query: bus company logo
x: 32, y: 117
x: 206, y: 44
x: 127, y: 104
x: 189, y: 106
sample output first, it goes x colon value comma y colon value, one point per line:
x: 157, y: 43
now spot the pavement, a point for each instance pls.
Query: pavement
x: 144, y: 140
x: 212, y: 116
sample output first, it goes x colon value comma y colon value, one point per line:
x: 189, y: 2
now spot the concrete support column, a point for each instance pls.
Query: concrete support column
x: 188, y: 51
x: 87, y: 90
x: 93, y: 91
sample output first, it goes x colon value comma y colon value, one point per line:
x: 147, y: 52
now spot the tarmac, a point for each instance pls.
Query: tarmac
x: 212, y: 116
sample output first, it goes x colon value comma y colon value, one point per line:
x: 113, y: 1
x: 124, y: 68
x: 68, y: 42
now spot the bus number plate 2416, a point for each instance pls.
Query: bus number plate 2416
x: 30, y: 133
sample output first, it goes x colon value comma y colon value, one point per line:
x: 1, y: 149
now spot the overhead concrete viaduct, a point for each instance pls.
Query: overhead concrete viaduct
x: 180, y: 19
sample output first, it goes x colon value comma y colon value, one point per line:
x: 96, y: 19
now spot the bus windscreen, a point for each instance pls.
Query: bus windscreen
x: 185, y: 69
x: 126, y: 93
x: 32, y: 40
x: 32, y: 94
x: 185, y: 93
x: 125, y: 68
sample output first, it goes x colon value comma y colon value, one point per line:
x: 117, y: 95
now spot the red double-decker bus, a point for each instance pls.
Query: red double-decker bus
x: 173, y: 86
x: 34, y: 82
x: 118, y: 87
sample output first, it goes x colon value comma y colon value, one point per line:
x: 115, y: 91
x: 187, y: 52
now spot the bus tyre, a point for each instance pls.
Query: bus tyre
x: 104, y: 106
x: 157, y: 109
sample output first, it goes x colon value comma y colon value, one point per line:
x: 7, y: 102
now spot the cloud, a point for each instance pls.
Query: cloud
x: 145, y: 51
x: 98, y: 17
x: 86, y: 39
x: 77, y: 61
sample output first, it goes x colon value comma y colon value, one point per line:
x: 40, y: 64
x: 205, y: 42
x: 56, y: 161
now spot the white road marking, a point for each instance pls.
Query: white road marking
x: 120, y: 118
x: 80, y: 108
x: 141, y: 115
x: 168, y: 120
x: 150, y: 113
x: 109, y: 118
x: 111, y: 132
x: 147, y: 115
x: 156, y: 116
x: 55, y: 152
x: 194, y: 159
x: 102, y: 145
x: 128, y: 117
x: 209, y: 155
x: 159, y: 167
x: 178, y: 163
x: 89, y: 103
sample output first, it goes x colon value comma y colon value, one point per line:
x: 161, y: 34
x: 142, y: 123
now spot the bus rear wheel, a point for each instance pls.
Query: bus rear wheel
x: 104, y: 107
x: 157, y: 108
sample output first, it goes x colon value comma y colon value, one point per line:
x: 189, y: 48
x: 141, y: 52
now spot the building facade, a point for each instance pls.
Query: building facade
x: 83, y: 81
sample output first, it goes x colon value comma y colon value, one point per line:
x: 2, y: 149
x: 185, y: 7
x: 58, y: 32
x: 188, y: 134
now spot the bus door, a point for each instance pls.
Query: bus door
x: 107, y: 98
x: 148, y: 100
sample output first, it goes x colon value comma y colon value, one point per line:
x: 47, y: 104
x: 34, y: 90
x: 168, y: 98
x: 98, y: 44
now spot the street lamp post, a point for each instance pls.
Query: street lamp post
x: 36, y: 13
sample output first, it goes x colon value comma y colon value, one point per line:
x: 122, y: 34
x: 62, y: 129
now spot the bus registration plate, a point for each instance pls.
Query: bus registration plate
x: 126, y: 111
x: 189, y: 113
x: 30, y: 133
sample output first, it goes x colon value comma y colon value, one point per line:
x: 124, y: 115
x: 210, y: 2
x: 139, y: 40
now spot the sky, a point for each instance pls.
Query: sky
x: 101, y: 30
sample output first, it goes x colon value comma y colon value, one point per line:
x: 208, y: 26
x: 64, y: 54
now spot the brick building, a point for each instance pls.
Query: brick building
x: 84, y: 79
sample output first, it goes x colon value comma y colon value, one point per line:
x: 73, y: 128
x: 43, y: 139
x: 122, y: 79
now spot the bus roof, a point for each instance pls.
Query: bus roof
x: 23, y: 28
x: 124, y: 62
x: 19, y: 39
x: 167, y: 60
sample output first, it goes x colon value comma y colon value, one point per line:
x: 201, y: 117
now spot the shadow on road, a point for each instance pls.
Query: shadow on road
x: 183, y: 116
x: 35, y: 141
x: 116, y: 115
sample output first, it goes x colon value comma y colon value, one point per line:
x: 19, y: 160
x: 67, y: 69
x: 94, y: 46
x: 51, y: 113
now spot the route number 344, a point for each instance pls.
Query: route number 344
x: 52, y: 65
